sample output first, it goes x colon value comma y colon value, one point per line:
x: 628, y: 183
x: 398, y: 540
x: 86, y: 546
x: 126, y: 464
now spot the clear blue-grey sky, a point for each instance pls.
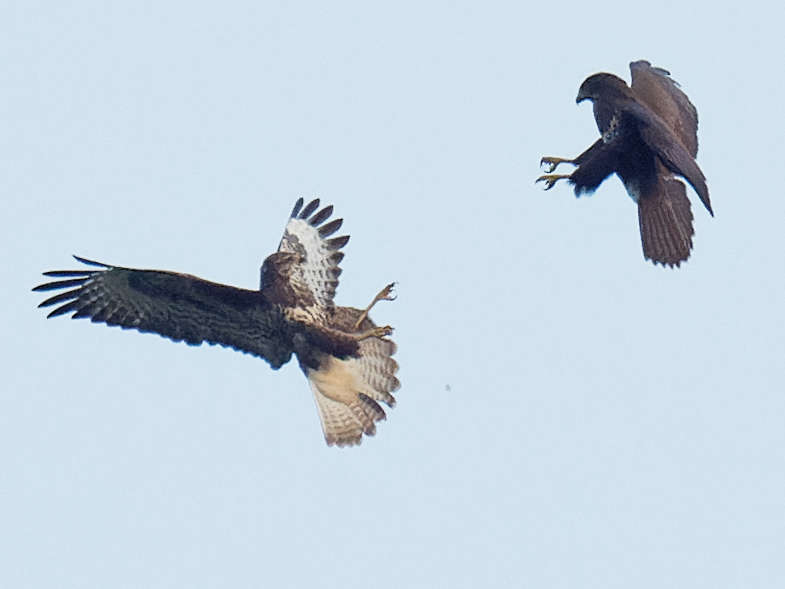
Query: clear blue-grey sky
x: 570, y: 415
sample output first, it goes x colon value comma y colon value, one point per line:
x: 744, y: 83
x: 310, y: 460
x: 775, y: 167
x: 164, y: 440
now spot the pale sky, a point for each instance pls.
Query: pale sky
x: 570, y: 415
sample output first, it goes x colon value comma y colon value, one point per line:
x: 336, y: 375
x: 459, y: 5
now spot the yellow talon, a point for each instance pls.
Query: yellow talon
x: 551, y: 179
x: 552, y: 162
x: 375, y: 332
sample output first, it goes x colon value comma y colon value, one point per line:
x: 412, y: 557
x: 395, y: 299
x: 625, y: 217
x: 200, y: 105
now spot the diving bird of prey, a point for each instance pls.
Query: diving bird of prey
x: 648, y: 137
x: 345, y: 356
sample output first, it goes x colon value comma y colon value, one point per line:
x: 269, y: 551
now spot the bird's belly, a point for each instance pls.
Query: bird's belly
x: 637, y: 171
x: 633, y: 188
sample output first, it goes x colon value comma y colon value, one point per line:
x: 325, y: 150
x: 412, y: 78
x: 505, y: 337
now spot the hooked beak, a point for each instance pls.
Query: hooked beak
x: 581, y: 97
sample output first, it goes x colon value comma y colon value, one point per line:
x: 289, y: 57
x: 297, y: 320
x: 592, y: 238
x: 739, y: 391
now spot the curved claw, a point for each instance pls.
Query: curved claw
x: 383, y: 331
x: 386, y: 293
x: 379, y: 332
x: 550, y: 163
x: 551, y: 179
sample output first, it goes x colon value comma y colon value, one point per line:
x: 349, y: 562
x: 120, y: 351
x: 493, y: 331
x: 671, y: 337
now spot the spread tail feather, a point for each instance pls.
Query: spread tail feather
x: 348, y: 391
x: 665, y: 220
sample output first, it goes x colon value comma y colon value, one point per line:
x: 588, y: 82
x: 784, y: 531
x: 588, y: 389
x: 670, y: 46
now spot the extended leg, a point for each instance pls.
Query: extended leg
x: 384, y: 295
x: 594, y: 165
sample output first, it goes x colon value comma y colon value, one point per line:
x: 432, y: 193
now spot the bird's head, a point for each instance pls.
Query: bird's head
x: 277, y: 268
x: 601, y: 86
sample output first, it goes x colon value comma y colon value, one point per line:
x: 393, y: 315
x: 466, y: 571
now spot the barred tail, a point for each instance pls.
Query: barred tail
x: 665, y: 220
x: 348, y: 391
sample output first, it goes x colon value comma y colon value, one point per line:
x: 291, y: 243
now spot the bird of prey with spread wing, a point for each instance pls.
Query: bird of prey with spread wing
x: 345, y: 356
x: 649, y: 136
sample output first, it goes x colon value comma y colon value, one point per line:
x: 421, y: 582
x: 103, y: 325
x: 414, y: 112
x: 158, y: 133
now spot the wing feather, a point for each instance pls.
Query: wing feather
x: 177, y: 306
x: 656, y: 89
x: 662, y: 140
x: 330, y: 228
x: 306, y: 235
x: 309, y: 208
x: 321, y: 216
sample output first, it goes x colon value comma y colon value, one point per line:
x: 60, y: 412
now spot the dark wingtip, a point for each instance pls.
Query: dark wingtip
x: 90, y: 262
x: 337, y: 243
x: 297, y: 206
x: 64, y: 273
x: 63, y: 309
x: 60, y: 284
x: 704, y: 196
x: 63, y: 296
x: 331, y: 227
x: 309, y: 209
x: 77, y: 276
x: 321, y: 216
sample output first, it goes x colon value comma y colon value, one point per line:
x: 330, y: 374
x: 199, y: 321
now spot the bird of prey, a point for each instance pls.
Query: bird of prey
x: 648, y: 137
x: 345, y: 356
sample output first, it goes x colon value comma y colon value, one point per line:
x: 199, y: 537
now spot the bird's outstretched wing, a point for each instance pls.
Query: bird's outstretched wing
x: 655, y: 88
x: 307, y: 234
x: 177, y: 306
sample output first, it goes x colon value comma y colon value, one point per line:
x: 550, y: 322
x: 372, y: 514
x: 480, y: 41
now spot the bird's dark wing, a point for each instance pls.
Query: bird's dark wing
x: 665, y: 220
x: 656, y: 89
x: 176, y: 306
x: 663, y: 141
